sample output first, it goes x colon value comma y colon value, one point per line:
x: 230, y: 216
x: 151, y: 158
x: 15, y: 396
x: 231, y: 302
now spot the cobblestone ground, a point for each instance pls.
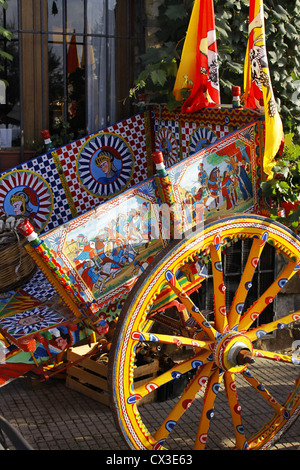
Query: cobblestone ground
x: 54, y: 417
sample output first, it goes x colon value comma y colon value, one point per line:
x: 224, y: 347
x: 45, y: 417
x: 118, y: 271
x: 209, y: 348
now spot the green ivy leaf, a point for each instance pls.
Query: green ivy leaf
x: 5, y: 33
x: 291, y: 30
x: 235, y: 67
x: 268, y: 188
x: 4, y: 4
x: 176, y: 12
x: 158, y: 77
x: 294, y: 216
x: 222, y: 32
x: 282, y: 12
x: 6, y: 55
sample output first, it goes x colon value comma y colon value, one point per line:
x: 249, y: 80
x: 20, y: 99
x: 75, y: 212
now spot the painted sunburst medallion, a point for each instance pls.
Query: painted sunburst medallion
x: 30, y: 321
x: 25, y: 193
x: 105, y: 165
x: 201, y: 138
x: 167, y: 144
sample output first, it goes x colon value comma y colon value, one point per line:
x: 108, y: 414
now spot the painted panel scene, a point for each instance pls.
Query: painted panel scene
x: 110, y: 247
x: 217, y: 184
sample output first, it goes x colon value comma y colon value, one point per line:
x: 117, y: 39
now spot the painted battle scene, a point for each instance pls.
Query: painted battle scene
x: 218, y: 184
x: 111, y: 249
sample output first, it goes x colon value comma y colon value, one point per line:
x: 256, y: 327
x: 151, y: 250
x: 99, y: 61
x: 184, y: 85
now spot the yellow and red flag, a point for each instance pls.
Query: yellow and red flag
x: 199, y: 60
x: 258, y: 91
x: 72, y: 56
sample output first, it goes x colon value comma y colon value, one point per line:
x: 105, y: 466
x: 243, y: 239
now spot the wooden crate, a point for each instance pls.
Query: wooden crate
x: 89, y: 377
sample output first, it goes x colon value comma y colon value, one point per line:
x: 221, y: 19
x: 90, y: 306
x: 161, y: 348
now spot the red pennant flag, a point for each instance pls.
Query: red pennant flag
x: 199, y: 61
x: 72, y: 56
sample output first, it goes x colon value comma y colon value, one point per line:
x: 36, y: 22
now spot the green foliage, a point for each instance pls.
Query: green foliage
x: 284, y: 187
x: 160, y: 64
x: 282, y: 24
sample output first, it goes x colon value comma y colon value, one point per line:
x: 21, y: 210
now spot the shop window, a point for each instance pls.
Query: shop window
x: 73, y: 64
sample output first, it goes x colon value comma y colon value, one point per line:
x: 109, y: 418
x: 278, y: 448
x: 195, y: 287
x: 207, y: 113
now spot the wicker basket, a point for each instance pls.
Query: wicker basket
x: 16, y: 265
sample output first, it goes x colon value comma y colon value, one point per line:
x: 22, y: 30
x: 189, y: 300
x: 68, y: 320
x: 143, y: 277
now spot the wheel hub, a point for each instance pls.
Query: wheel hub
x: 233, y: 352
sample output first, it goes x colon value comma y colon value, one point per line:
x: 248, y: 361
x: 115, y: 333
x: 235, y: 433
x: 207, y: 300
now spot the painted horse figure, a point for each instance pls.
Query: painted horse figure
x: 214, y: 185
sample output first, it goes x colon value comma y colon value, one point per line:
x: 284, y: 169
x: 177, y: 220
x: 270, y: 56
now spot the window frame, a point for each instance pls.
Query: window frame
x: 131, y: 44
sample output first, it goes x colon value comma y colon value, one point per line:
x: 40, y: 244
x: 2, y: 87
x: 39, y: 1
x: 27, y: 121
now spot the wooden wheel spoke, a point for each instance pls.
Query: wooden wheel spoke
x: 262, y: 330
x: 245, y: 282
x: 173, y: 373
x: 184, y: 402
x: 190, y: 306
x: 235, y: 410
x: 160, y: 311
x: 219, y: 288
x: 257, y: 385
x: 207, y: 414
x: 255, y: 310
x: 170, y: 339
x: 276, y: 356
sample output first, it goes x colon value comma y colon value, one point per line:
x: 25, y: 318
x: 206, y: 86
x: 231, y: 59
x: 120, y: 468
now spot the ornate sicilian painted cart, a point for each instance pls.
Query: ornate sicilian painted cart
x: 151, y: 239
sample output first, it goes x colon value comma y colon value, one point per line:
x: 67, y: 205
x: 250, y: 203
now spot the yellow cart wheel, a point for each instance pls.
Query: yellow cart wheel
x: 211, y: 363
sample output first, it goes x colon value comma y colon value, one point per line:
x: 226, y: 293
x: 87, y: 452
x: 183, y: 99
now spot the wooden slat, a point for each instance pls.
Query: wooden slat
x: 147, y: 369
x: 88, y: 364
x: 90, y: 377
x: 86, y: 377
x: 78, y: 387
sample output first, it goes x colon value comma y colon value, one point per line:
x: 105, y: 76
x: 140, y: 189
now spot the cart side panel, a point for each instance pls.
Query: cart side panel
x: 73, y: 228
x: 69, y: 181
x: 179, y: 136
x: 106, y: 249
x: 222, y: 179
